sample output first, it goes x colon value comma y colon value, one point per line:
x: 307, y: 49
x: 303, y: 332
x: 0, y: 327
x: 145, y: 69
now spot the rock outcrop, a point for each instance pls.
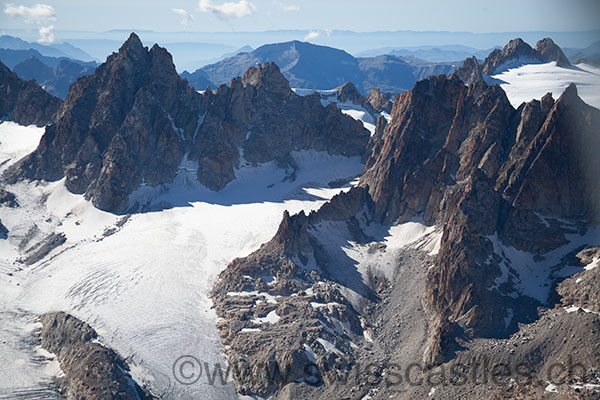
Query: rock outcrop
x: 91, y: 370
x: 131, y: 123
x: 24, y: 102
x: 517, y: 51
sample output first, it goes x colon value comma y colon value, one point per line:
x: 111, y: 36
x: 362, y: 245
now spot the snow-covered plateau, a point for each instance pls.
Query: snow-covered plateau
x: 532, y: 81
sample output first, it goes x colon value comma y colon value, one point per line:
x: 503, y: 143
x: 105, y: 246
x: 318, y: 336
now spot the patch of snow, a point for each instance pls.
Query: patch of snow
x: 318, y: 305
x: 310, y: 354
x: 51, y: 365
x: 328, y: 346
x: 551, y: 388
x: 268, y: 297
x: 595, y: 262
x: 271, y: 318
x: 16, y: 141
x: 532, y: 276
x: 246, y: 330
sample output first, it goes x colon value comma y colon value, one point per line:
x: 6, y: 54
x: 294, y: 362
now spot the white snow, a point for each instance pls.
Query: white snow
x: 359, y: 114
x: 572, y: 308
x: 51, y: 366
x: 532, y: 81
x: 246, y: 330
x: 532, y: 276
x: 328, y: 346
x: 268, y: 297
x: 551, y: 388
x: 310, y: 354
x: 271, y: 318
x: 145, y: 287
x: 16, y: 141
x: 595, y: 262
x: 318, y: 305
x: 356, y: 111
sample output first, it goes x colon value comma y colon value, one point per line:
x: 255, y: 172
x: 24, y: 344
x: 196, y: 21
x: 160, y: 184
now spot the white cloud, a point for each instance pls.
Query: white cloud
x: 242, y: 8
x: 47, y: 34
x: 285, y: 7
x: 312, y: 35
x: 39, y: 14
x: 186, y: 17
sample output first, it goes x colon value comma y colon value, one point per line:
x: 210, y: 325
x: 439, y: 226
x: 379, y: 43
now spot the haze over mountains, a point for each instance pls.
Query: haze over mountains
x: 144, y: 221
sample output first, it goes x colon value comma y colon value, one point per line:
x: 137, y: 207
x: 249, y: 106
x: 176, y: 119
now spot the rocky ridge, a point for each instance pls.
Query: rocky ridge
x: 91, y: 370
x: 114, y: 122
x: 24, y: 102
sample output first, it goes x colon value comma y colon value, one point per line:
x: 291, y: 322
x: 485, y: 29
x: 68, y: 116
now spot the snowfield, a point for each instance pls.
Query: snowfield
x: 142, y: 281
x: 532, y: 81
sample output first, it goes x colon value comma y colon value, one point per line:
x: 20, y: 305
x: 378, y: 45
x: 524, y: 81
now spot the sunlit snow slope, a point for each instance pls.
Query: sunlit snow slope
x: 533, y: 81
x: 142, y: 280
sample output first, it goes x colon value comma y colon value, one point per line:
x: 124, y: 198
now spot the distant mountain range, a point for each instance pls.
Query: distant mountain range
x: 311, y: 66
x: 446, y: 53
x: 54, y: 50
x: 54, y: 68
x: 589, y: 55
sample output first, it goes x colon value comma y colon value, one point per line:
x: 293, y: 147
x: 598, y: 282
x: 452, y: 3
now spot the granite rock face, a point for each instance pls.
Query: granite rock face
x: 134, y: 119
x: 24, y: 102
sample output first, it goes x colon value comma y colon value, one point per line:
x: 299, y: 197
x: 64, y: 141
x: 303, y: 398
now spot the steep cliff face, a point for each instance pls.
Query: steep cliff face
x: 131, y: 123
x: 24, y: 102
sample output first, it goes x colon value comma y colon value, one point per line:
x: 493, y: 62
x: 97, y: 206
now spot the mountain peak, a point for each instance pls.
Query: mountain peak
x: 132, y: 44
x: 570, y: 96
x: 549, y: 51
x: 268, y: 76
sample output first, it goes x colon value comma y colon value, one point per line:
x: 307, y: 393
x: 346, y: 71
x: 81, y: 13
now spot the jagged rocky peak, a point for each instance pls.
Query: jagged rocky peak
x: 349, y: 93
x: 113, y: 124
x: 380, y: 101
x: 25, y: 102
x: 470, y: 72
x: 549, y: 51
x: 267, y: 76
x: 515, y: 49
x: 132, y: 121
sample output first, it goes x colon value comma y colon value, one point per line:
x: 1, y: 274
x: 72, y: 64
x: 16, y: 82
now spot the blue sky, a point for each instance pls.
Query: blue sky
x: 260, y: 15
